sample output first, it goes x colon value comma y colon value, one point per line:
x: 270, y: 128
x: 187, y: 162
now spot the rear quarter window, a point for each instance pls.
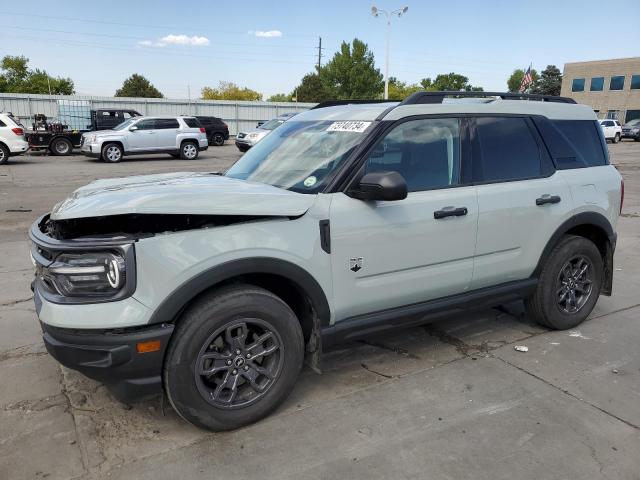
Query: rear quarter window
x: 585, y: 138
x: 2, y: 124
x: 192, y: 122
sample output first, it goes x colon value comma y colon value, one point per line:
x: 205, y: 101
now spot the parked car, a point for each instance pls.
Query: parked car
x: 181, y: 137
x: 12, y: 140
x: 345, y: 220
x: 217, y: 130
x: 612, y: 130
x: 59, y: 139
x: 246, y: 140
x: 631, y: 129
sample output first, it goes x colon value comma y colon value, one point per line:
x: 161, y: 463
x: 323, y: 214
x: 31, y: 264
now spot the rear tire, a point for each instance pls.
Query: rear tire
x: 61, y: 147
x: 249, y: 343
x: 189, y: 150
x: 112, y: 153
x: 569, y: 284
x: 217, y: 139
x: 4, y: 154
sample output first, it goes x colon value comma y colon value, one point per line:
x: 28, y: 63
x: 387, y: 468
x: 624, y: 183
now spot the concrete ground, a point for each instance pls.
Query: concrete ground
x: 450, y: 400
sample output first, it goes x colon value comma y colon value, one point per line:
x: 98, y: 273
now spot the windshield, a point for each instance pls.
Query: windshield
x: 125, y: 124
x: 271, y: 124
x: 300, y: 156
x: 633, y: 123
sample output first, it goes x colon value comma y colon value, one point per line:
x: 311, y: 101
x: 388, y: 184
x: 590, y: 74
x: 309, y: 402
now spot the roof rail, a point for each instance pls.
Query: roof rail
x: 334, y: 103
x: 438, y: 97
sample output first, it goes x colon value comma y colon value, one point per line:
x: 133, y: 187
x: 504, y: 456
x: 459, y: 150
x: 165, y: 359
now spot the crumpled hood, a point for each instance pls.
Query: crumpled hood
x: 181, y: 193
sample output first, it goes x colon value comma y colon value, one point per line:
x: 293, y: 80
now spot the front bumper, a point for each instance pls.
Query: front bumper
x: 91, y: 149
x: 630, y: 134
x: 111, y: 357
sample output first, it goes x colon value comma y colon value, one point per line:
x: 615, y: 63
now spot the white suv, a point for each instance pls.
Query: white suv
x: 344, y: 221
x: 611, y: 129
x: 181, y: 137
x: 12, y: 140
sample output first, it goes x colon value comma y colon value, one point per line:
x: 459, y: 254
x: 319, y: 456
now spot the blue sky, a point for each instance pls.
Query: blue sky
x: 187, y: 44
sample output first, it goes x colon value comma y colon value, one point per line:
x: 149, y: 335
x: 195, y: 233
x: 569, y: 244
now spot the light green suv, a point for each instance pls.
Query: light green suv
x: 346, y: 220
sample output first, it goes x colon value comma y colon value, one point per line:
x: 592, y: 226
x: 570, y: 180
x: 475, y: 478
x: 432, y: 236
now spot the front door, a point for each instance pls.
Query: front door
x: 144, y: 137
x: 395, y: 253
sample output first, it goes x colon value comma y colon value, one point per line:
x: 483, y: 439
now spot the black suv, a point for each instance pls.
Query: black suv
x: 217, y: 130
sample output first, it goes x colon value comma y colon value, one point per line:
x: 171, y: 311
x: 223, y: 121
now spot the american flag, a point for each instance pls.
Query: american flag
x: 527, y: 80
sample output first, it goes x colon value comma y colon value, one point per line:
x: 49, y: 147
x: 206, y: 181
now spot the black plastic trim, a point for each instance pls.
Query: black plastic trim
x: 173, y: 304
x: 111, y: 357
x: 325, y: 235
x: 421, y: 313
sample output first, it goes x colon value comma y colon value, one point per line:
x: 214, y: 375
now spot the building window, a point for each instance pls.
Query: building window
x: 617, y: 83
x: 635, y: 82
x: 613, y: 114
x: 597, y: 84
x: 577, y: 85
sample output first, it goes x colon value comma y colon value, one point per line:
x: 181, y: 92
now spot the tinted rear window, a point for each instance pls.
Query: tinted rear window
x: 584, y: 137
x: 508, y: 150
x: 192, y: 122
x: 167, y: 123
x: 2, y: 124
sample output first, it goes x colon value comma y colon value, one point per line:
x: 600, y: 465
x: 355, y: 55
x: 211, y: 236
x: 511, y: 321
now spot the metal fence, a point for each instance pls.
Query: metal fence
x: 238, y: 115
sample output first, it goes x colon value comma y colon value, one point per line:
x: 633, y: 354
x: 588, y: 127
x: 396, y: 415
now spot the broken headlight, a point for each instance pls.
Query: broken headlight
x: 90, y: 274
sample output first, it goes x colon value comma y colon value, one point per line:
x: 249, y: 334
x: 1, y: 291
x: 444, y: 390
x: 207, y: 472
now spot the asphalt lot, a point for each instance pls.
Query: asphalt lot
x: 450, y: 400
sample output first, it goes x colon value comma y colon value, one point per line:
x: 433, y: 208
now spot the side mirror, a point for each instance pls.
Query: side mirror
x: 133, y: 128
x: 386, y: 186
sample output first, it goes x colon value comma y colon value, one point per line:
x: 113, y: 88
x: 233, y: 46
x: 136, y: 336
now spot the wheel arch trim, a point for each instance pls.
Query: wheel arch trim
x: 175, y: 302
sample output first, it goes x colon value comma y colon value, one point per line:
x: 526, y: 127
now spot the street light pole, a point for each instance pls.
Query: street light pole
x: 376, y: 12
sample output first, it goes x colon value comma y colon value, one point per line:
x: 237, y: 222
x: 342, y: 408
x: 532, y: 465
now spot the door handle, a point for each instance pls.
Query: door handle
x: 450, y: 212
x: 544, y: 199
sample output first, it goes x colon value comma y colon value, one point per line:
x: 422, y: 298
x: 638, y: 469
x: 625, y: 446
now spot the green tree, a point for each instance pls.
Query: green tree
x: 229, y: 91
x: 351, y: 74
x: 17, y: 77
x: 138, y: 86
x: 449, y: 82
x: 515, y: 80
x: 550, y: 81
x: 400, y: 90
x: 312, y: 89
x: 280, y: 97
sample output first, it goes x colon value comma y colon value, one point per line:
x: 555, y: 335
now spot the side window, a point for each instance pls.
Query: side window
x: 165, y: 123
x: 584, y: 138
x: 146, y: 124
x: 193, y: 122
x: 508, y: 150
x: 425, y: 152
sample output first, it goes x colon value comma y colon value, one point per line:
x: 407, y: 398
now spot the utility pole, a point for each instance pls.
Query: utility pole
x: 319, y: 53
x: 376, y: 12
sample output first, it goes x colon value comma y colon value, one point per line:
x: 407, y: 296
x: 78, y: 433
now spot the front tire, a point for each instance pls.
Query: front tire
x: 189, y: 151
x: 569, y: 285
x: 616, y: 139
x: 112, y: 153
x: 234, y: 357
x: 217, y: 139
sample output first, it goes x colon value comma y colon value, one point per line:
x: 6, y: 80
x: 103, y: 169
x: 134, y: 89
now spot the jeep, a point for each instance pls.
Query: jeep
x: 347, y: 220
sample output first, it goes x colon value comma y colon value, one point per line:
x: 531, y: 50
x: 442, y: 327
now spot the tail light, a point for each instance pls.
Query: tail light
x: 18, y: 131
x: 225, y: 125
x: 203, y: 130
x: 621, y: 195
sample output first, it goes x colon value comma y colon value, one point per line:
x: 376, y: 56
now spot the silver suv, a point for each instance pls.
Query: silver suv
x: 344, y: 221
x: 181, y: 137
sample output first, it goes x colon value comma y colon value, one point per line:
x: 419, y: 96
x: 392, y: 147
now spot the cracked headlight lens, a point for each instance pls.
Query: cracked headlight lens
x: 92, y: 274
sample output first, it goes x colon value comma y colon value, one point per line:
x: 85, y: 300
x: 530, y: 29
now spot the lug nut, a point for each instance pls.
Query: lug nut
x: 238, y: 352
x: 248, y: 355
x: 234, y: 372
x: 228, y: 362
x: 246, y: 367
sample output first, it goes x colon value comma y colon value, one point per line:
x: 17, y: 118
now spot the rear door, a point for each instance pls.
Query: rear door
x: 608, y: 128
x: 166, y: 133
x: 521, y: 199
x: 388, y: 254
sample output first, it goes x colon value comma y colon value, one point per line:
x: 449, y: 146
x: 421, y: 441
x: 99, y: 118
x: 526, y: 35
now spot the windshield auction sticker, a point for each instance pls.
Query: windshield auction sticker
x: 351, y: 126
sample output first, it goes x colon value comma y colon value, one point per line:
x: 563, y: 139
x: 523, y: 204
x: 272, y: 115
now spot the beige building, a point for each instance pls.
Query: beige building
x: 610, y: 87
